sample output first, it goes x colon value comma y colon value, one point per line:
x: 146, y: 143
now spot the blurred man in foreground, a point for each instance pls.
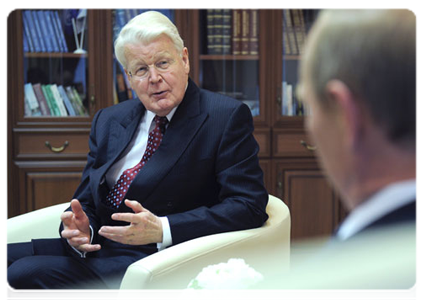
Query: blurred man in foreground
x: 358, y: 78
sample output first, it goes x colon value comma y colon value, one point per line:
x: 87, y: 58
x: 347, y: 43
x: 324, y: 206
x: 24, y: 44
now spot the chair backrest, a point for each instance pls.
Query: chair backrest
x: 266, y: 249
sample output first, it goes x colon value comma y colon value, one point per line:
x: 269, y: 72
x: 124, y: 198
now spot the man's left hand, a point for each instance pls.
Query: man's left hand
x: 144, y: 227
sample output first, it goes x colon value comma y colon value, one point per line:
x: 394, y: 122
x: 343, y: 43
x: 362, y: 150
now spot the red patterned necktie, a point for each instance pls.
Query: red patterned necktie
x: 116, y: 195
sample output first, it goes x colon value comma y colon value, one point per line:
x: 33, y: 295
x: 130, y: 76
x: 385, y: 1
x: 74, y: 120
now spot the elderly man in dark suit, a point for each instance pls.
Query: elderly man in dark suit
x: 177, y: 164
x: 358, y: 77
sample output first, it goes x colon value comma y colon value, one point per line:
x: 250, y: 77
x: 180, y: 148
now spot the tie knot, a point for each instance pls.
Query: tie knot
x: 160, y: 122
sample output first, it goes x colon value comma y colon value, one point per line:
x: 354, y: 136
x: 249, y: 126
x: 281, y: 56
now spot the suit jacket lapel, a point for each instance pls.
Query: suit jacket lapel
x: 183, y: 127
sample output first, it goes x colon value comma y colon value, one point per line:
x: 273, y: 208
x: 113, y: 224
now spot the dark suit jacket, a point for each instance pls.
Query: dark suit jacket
x: 205, y: 176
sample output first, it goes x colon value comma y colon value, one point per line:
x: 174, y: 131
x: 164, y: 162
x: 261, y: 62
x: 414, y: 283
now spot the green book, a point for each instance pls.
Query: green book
x: 51, y: 102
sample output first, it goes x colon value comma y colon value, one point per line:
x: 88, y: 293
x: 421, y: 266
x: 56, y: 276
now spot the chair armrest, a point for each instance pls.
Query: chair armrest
x: 266, y: 249
x: 41, y: 223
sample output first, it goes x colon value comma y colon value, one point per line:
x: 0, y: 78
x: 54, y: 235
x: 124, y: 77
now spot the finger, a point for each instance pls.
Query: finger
x: 89, y: 247
x: 135, y: 206
x: 115, y: 230
x: 126, y: 217
x: 66, y: 217
x: 77, y: 208
x: 68, y: 234
x: 111, y: 236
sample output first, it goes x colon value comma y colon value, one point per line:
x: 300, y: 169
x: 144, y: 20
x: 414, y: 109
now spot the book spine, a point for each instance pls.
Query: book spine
x: 226, y: 31
x: 46, y: 35
x: 38, y: 30
x: 45, y: 110
x: 54, y: 109
x: 236, y: 32
x: 285, y: 40
x: 31, y: 99
x: 54, y: 42
x: 56, y: 32
x: 79, y: 101
x: 298, y: 31
x: 210, y: 31
x: 27, y: 35
x: 66, y: 101
x: 218, y: 31
x: 245, y: 32
x: 290, y: 32
x: 59, y: 100
x: 254, y: 32
x: 61, y: 31
x: 73, y: 101
x: 32, y: 30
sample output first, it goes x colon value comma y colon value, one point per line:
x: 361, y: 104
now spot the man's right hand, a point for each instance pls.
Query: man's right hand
x: 77, y: 228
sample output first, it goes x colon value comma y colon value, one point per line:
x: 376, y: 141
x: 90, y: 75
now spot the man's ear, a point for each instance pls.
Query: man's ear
x: 185, y: 60
x: 348, y: 110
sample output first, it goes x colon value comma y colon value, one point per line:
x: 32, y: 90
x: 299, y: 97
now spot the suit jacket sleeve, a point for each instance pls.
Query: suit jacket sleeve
x: 242, y: 197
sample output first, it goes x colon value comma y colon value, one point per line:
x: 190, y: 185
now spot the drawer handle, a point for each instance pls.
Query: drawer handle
x: 57, y: 149
x: 307, y: 146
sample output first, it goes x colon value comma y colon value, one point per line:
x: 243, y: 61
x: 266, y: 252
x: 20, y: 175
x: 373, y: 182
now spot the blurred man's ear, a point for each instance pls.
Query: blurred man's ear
x: 348, y: 110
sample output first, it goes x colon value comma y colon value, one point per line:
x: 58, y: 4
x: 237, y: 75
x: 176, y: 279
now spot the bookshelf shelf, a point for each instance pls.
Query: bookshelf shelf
x: 54, y: 55
x: 228, y: 57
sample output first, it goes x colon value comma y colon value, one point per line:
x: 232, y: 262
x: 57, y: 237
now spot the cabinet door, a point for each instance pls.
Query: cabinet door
x: 230, y: 55
x: 291, y: 26
x: 314, y: 206
x: 42, y: 184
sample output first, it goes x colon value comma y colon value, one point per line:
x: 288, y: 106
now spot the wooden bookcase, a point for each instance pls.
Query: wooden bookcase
x: 42, y: 174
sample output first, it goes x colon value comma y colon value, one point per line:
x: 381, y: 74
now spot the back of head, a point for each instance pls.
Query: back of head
x: 144, y: 28
x: 374, y: 53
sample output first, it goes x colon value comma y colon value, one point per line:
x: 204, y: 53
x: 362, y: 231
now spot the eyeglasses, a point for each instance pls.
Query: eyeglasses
x: 143, y: 71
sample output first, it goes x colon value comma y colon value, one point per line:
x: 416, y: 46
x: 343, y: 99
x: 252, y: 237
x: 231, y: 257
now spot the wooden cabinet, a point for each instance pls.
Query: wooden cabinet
x: 46, y: 154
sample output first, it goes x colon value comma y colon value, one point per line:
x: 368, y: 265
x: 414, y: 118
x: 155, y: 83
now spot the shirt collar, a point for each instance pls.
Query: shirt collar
x: 383, y: 202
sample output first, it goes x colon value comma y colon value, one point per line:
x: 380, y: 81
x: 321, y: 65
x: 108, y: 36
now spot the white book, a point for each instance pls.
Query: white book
x: 33, y: 108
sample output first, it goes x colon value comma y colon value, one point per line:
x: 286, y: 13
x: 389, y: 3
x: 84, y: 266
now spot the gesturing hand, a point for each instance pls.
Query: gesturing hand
x: 144, y: 227
x: 77, y: 228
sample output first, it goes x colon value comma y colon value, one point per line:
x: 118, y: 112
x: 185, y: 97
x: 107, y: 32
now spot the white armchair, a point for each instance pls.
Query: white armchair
x: 266, y: 249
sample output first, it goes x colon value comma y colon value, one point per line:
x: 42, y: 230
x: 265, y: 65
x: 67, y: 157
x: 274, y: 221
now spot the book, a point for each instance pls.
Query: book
x: 254, y: 32
x: 45, y: 109
x: 39, y: 34
x: 289, y: 29
x: 46, y: 33
x: 51, y: 31
x: 299, y: 28
x: 226, y: 31
x: 245, y: 32
x: 58, y: 99
x: 54, y: 109
x: 66, y: 101
x: 210, y: 31
x: 32, y: 31
x: 31, y: 100
x: 61, y: 39
x: 236, y: 31
x: 286, y: 47
x: 218, y: 31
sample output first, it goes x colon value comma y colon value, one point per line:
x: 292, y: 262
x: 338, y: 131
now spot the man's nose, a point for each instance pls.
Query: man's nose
x: 155, y: 75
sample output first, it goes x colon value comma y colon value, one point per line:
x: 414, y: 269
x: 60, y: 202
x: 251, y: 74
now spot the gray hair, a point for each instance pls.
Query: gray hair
x: 144, y: 28
x: 374, y: 53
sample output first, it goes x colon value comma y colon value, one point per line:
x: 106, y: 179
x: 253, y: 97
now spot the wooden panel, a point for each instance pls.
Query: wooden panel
x: 265, y: 165
x: 49, y: 188
x: 32, y: 144
x: 291, y: 143
x: 262, y: 136
x: 315, y: 207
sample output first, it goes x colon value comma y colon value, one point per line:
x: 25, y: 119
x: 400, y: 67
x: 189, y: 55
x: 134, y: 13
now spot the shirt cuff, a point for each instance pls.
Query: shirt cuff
x: 167, y: 236
x: 83, y: 254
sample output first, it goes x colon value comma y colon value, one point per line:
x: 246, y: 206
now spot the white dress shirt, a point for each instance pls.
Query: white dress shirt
x: 382, y: 203
x: 132, y: 156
